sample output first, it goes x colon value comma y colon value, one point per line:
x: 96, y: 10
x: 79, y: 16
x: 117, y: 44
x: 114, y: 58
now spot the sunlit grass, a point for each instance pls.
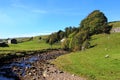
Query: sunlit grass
x: 92, y: 63
x: 115, y: 24
x: 34, y: 44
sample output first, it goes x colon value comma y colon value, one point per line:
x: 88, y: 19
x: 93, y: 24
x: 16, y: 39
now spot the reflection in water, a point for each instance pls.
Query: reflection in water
x: 20, y: 68
x: 7, y: 71
x: 4, y: 78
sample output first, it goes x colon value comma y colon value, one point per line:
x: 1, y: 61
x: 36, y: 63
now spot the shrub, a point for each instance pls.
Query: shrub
x: 77, y: 41
x: 3, y: 44
x: 65, y: 44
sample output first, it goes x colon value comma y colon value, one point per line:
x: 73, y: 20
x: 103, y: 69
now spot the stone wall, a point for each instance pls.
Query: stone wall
x: 117, y: 29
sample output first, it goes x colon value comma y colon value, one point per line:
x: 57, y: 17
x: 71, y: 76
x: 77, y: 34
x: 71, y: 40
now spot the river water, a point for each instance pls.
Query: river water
x: 20, y: 67
x: 7, y: 71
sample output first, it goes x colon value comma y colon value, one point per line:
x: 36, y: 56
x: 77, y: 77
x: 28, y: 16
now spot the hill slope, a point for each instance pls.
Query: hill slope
x: 115, y: 24
x: 93, y: 63
x: 27, y: 45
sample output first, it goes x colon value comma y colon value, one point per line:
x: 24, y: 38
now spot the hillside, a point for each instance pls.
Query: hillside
x: 101, y: 62
x: 27, y: 44
x: 115, y: 24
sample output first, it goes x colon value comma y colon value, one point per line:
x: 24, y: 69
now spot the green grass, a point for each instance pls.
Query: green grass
x: 34, y: 44
x: 115, y: 24
x: 92, y: 63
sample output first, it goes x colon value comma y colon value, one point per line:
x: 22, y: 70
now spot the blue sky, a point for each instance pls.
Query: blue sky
x: 36, y: 17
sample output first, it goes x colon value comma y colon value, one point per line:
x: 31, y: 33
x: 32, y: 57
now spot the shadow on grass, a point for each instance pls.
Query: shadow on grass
x: 92, y: 46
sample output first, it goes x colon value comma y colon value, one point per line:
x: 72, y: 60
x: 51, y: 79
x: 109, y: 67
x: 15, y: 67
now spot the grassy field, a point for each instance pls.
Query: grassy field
x: 34, y: 44
x: 115, y: 24
x: 92, y: 63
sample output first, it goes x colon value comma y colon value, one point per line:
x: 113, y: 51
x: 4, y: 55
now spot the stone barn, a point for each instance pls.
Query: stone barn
x: 12, y: 41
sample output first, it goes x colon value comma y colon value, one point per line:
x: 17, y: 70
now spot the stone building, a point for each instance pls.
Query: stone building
x: 12, y: 41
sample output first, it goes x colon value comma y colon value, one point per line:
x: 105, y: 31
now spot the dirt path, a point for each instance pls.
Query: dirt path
x: 53, y: 73
x: 50, y: 72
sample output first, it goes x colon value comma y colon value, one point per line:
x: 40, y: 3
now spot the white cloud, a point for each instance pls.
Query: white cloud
x: 28, y: 8
x: 33, y: 34
x: 67, y: 11
x: 15, y: 1
x: 23, y: 35
x: 19, y: 6
x: 39, y: 11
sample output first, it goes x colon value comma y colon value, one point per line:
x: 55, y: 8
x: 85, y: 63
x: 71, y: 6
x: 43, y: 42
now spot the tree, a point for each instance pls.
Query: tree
x: 60, y: 35
x: 77, y: 41
x: 40, y: 38
x: 65, y: 44
x: 78, y: 38
x: 86, y: 44
x: 53, y: 38
x: 96, y: 22
x: 68, y: 31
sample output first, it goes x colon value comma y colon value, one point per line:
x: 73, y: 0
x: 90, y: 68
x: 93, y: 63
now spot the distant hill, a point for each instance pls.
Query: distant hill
x: 115, y: 24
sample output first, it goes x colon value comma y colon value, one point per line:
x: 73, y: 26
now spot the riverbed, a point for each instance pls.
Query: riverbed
x: 37, y: 66
x: 32, y: 66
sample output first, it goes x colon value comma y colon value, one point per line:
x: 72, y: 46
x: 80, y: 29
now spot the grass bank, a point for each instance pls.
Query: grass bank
x: 31, y: 45
x: 115, y: 24
x: 92, y: 63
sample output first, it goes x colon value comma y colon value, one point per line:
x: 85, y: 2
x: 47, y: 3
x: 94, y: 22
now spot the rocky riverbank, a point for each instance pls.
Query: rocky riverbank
x: 36, y: 67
